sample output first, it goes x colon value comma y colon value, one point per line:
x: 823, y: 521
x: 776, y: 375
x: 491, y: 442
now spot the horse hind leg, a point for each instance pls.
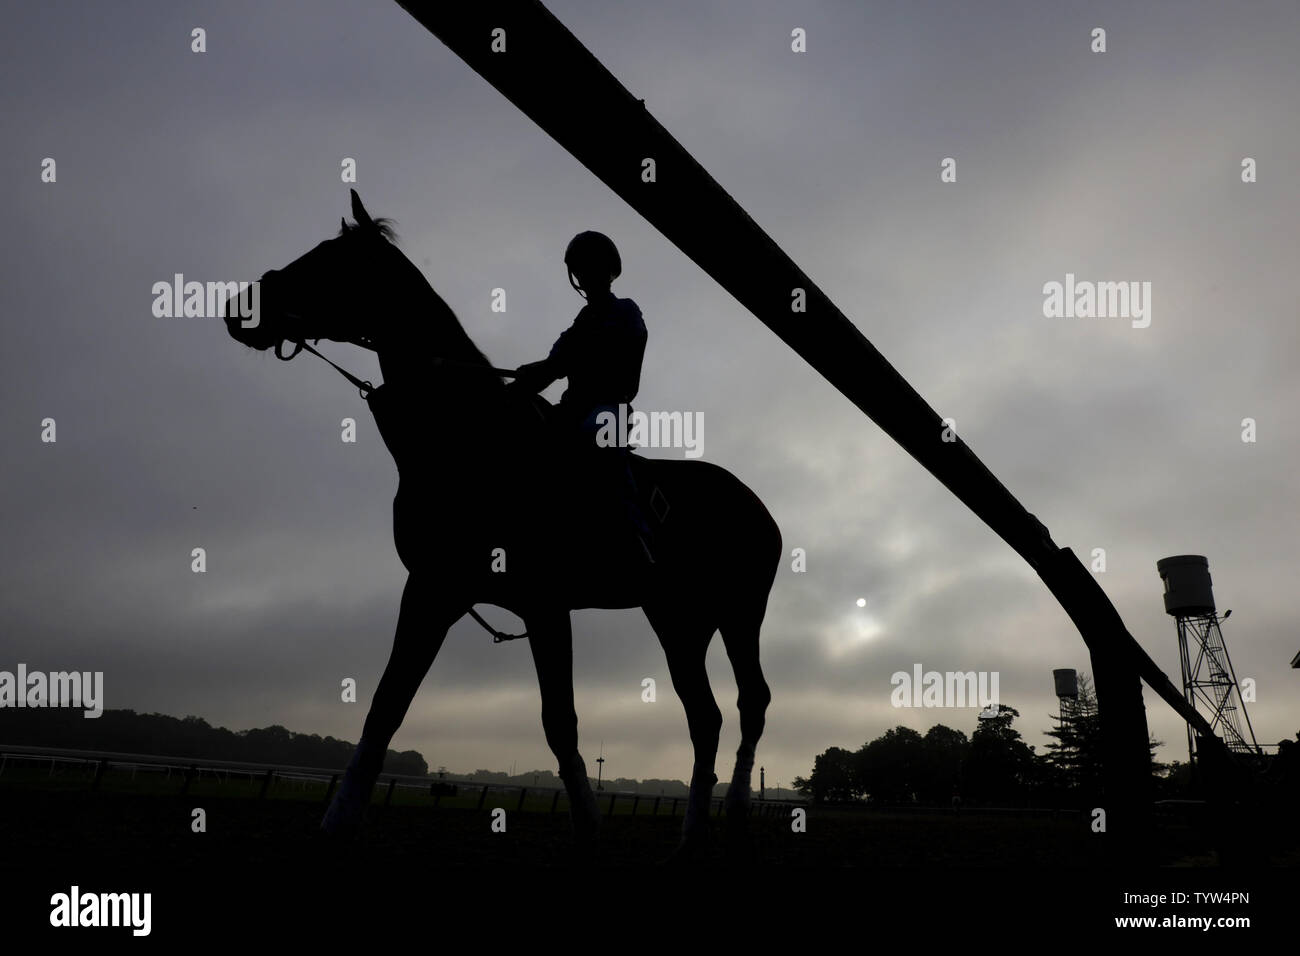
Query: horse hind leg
x: 740, y: 637
x: 685, y: 644
x: 550, y: 638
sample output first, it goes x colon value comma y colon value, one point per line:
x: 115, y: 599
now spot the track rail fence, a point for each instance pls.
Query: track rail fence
x: 94, y: 764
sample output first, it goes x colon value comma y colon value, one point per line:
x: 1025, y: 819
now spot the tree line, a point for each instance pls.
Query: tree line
x: 125, y: 731
x: 992, y: 767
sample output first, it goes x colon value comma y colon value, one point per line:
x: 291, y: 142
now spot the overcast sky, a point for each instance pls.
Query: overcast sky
x: 1115, y: 166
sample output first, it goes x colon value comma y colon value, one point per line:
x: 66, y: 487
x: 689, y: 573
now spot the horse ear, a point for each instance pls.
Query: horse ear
x: 359, y: 211
x: 343, y: 223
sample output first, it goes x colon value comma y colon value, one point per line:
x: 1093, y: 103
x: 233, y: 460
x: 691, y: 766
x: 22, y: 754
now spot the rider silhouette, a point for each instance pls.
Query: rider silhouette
x: 600, y: 355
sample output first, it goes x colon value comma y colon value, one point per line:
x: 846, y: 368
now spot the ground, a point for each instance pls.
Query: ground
x: 268, y: 852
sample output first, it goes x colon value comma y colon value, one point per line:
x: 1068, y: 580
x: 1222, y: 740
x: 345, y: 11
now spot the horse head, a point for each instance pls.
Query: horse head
x: 328, y: 292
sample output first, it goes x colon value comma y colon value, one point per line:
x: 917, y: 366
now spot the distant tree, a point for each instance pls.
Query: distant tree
x: 541, y: 778
x: 1074, y: 760
x: 409, y: 762
x: 1000, y: 767
x: 831, y: 778
x: 943, y: 750
x: 665, y: 788
x: 891, y: 768
x: 125, y: 731
x: 1173, y: 779
x: 1283, y: 772
x: 898, y: 767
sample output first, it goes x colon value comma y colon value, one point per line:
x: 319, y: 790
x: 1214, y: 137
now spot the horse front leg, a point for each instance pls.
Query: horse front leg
x: 550, y: 637
x: 422, y: 626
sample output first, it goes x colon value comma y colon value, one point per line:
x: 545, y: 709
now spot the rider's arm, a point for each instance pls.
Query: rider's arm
x: 535, y: 376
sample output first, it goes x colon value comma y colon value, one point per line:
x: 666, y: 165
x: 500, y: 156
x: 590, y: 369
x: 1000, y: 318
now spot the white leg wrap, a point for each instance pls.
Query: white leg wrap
x: 697, y: 805
x: 349, y: 803
x: 738, y: 793
x: 744, y: 762
x: 582, y: 801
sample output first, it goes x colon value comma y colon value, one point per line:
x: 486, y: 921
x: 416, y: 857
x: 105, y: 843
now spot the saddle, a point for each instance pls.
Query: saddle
x: 567, y: 494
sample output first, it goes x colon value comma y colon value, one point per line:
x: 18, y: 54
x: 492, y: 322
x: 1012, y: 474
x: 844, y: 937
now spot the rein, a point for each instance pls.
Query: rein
x: 365, y: 388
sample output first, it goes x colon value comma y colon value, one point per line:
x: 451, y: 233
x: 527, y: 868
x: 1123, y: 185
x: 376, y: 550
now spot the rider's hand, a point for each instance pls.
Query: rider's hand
x: 533, y: 377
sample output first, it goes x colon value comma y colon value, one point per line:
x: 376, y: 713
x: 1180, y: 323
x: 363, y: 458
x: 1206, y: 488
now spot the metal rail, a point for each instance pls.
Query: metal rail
x: 538, y: 65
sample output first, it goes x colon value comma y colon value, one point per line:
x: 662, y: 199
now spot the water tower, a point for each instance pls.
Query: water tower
x: 1066, y: 680
x: 1209, y: 682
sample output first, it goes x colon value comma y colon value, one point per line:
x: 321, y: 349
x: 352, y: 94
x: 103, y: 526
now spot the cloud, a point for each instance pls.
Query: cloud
x: 226, y: 164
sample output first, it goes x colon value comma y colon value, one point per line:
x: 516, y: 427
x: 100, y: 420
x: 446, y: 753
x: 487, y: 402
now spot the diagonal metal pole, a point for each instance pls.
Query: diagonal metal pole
x: 535, y: 62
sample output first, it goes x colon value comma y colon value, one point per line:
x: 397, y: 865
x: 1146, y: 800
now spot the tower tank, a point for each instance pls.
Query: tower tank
x: 1187, y: 585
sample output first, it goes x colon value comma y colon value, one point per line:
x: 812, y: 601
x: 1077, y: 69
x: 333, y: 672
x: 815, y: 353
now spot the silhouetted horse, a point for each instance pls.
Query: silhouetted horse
x: 481, y: 490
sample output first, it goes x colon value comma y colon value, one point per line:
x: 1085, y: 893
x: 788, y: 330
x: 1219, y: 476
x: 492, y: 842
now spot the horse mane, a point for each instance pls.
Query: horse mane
x: 460, y: 346
x: 464, y: 348
x: 383, y: 226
